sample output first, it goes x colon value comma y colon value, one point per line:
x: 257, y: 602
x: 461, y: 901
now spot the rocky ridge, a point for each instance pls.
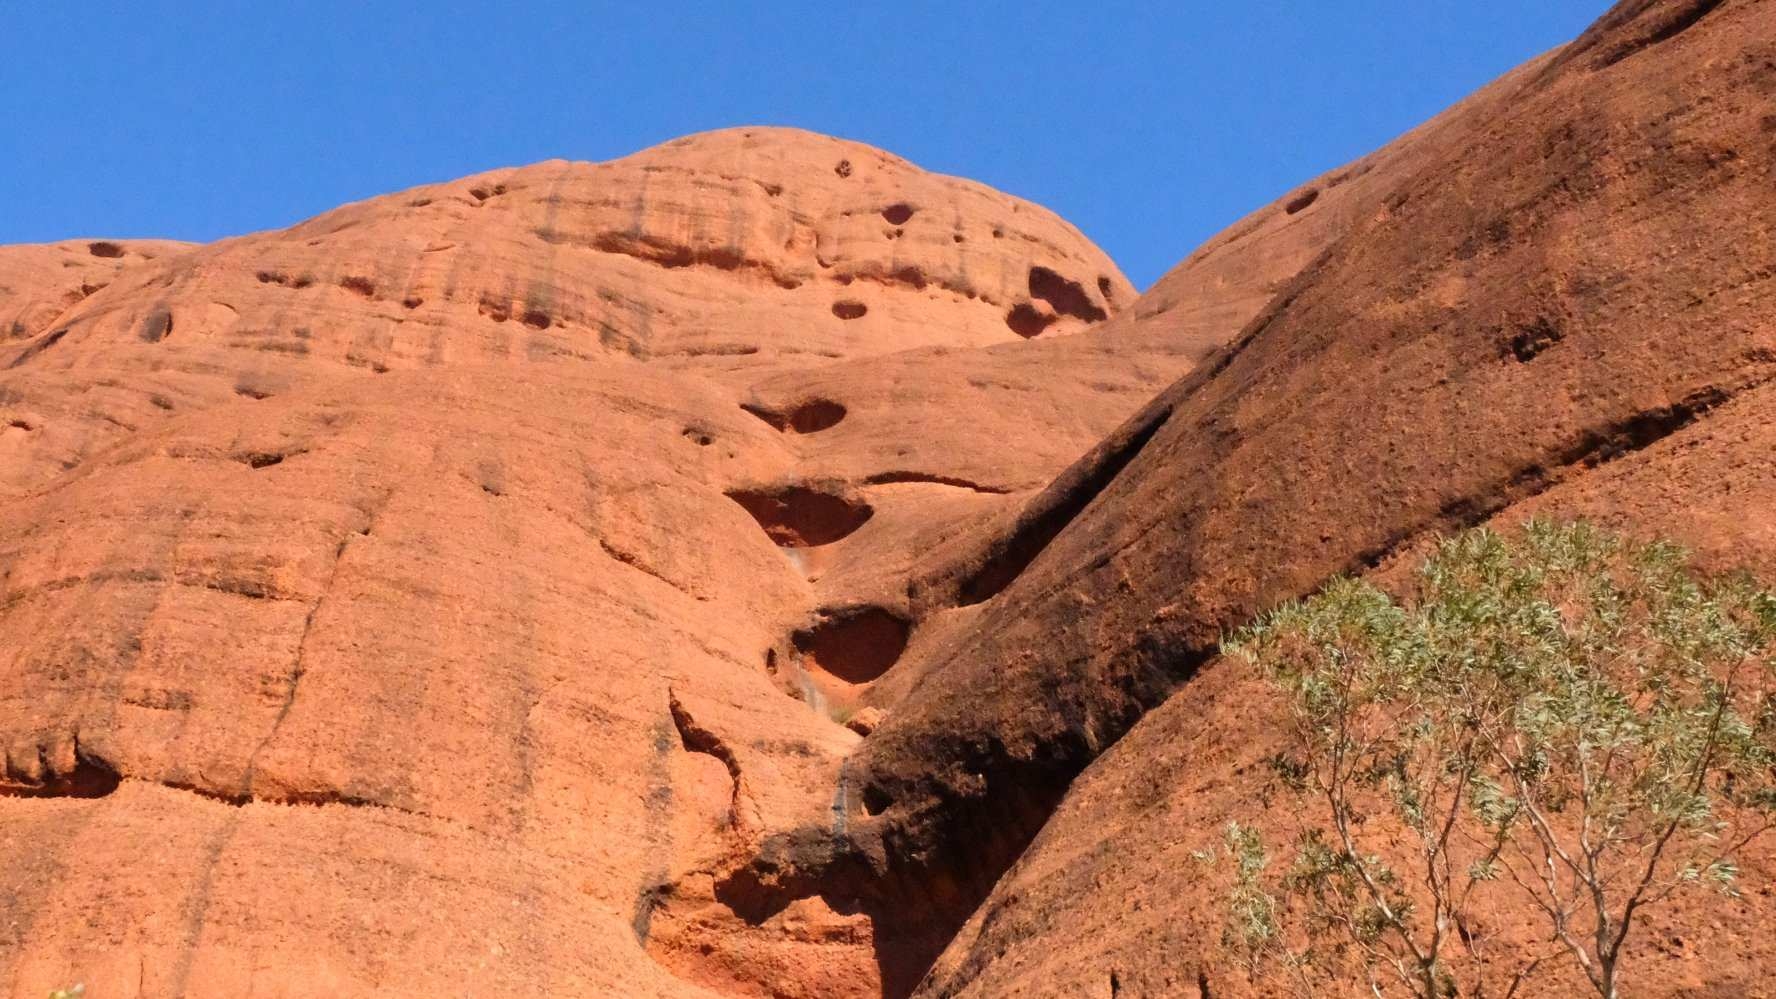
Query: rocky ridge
x: 757, y: 566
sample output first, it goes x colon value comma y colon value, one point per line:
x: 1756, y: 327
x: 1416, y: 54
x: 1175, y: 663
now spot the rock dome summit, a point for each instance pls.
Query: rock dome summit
x: 758, y: 566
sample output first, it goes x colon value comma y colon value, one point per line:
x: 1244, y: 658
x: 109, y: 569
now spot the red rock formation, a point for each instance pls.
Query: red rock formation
x: 446, y: 592
x: 1551, y: 313
x: 705, y: 573
x: 40, y: 283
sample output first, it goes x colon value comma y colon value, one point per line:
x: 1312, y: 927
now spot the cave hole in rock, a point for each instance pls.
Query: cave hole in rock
x: 493, y: 308
x: 876, y: 800
x: 90, y: 778
x: 853, y: 644
x: 809, y: 417
x: 849, y: 309
x: 358, y: 285
x: 800, y: 517
x: 1067, y: 298
x: 702, y: 438
x: 897, y: 214
x: 1026, y: 320
x: 158, y: 326
x: 1301, y: 202
x: 104, y: 248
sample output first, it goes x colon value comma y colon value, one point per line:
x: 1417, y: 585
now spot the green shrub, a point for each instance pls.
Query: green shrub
x: 1560, y: 721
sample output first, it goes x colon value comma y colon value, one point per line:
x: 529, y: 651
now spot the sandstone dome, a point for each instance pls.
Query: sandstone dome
x: 758, y: 566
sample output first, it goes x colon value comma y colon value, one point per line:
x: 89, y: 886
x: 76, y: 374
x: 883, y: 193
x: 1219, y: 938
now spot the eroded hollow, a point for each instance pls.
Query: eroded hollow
x: 810, y: 417
x: 89, y: 778
x: 853, y: 644
x: 358, y: 285
x: 801, y: 517
x: 849, y: 309
x: 104, y: 248
x: 897, y: 214
x: 1301, y: 202
x: 158, y: 326
x: 1067, y: 298
x: 1026, y: 320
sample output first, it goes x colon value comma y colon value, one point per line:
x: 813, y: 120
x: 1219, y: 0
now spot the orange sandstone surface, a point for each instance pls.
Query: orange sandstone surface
x: 760, y: 567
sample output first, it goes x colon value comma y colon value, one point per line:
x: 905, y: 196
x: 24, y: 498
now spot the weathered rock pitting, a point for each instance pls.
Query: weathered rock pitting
x: 712, y: 572
x: 446, y: 528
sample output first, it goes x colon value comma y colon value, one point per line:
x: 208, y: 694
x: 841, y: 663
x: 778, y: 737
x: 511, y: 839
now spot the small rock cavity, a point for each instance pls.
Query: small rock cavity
x: 801, y: 517
x: 1027, y: 321
x: 1062, y: 298
x: 853, y: 644
x: 1067, y: 298
x: 158, y: 326
x: 809, y: 417
x: 87, y: 778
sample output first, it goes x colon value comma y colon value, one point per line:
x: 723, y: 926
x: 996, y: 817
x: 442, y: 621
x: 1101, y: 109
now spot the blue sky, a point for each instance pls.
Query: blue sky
x: 1150, y: 126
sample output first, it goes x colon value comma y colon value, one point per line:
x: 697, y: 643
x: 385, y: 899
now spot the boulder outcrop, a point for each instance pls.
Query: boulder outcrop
x: 760, y: 567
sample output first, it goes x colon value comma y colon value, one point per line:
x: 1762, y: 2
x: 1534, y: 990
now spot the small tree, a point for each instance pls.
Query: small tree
x: 1563, y: 721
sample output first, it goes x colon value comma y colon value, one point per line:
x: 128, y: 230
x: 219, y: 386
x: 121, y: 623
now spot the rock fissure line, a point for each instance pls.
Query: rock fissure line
x: 634, y: 561
x: 697, y: 739
x: 897, y: 478
x: 33, y: 349
x: 1587, y: 453
x: 299, y: 667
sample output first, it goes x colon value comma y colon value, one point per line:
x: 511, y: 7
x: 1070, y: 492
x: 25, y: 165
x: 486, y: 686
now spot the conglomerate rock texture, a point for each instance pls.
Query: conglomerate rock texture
x: 707, y: 573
